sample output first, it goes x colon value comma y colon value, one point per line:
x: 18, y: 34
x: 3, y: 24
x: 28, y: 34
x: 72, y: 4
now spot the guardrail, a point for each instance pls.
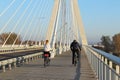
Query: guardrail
x: 13, y: 62
x: 4, y: 50
x: 105, y: 65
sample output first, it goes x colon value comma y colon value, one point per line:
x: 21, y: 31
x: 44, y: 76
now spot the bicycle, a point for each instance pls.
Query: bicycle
x: 46, y: 60
x: 20, y: 61
x: 75, y: 59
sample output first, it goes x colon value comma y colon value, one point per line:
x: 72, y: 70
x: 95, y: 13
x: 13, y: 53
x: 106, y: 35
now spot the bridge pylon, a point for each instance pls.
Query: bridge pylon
x: 76, y: 14
x: 53, y: 24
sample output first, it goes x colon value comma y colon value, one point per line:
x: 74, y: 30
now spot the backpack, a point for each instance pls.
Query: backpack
x: 75, y: 46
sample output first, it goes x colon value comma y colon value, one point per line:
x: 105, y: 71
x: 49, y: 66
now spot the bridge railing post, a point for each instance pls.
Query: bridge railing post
x: 106, y: 66
x: 105, y: 73
x: 60, y: 50
x: 3, y: 67
x: 117, y: 71
x: 14, y: 64
x: 53, y: 53
x: 110, y: 72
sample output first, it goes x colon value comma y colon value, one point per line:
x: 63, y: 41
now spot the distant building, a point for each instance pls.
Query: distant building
x: 116, y: 40
x: 98, y: 46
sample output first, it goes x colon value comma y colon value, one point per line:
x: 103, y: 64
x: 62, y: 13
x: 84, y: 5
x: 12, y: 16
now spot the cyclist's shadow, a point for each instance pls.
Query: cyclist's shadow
x: 77, y: 76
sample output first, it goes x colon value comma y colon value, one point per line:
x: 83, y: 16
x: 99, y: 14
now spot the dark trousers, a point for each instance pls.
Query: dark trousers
x: 46, y: 53
x: 73, y: 54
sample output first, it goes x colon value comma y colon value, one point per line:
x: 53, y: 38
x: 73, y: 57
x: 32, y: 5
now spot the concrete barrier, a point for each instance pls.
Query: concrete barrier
x: 4, y: 50
x: 18, y: 60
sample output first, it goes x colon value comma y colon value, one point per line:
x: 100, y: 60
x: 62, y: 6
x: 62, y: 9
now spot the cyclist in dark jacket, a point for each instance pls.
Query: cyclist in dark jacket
x: 75, y: 48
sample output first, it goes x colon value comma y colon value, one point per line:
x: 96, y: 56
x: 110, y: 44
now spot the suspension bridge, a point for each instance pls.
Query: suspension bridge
x: 26, y: 24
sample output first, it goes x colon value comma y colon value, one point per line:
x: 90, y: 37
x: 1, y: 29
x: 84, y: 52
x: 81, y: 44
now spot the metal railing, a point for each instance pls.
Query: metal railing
x: 106, y: 66
x: 13, y: 62
x: 8, y: 49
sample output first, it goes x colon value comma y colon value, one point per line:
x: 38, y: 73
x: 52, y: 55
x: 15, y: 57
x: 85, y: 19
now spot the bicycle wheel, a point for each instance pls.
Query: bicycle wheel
x: 45, y: 61
x: 75, y: 60
x: 48, y: 62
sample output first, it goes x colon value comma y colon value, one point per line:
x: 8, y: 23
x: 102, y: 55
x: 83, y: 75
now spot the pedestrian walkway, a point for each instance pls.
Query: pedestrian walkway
x: 60, y: 69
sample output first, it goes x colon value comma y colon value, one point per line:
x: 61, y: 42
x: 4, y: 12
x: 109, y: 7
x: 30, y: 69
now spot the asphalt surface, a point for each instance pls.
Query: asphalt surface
x: 17, y: 54
x: 60, y: 68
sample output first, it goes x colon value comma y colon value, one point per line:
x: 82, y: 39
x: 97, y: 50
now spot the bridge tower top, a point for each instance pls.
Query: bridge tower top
x: 75, y: 12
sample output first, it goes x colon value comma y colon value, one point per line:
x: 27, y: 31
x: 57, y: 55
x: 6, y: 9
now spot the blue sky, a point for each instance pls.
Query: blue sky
x: 12, y: 17
x: 100, y: 17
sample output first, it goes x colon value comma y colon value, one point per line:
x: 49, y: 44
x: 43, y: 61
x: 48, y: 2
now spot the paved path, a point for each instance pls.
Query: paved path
x: 60, y: 69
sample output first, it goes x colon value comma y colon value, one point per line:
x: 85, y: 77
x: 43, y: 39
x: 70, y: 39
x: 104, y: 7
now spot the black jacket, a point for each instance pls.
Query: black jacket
x: 75, y: 44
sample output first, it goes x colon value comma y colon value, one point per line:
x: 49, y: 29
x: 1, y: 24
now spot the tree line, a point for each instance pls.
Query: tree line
x: 110, y: 45
x: 11, y: 38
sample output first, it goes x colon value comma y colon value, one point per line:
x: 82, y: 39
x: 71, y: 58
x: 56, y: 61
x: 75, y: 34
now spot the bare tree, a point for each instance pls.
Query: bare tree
x: 116, y: 40
x: 11, y: 39
x: 108, y: 44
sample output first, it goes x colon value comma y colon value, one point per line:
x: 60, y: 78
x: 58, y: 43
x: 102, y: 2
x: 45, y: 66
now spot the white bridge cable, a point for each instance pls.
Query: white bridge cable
x: 12, y: 16
x: 32, y: 32
x: 76, y: 29
x: 36, y: 37
x: 36, y: 23
x: 58, y: 29
x: 64, y: 21
x: 48, y: 20
x: 30, y: 14
x: 61, y: 27
x: 68, y: 23
x: 23, y: 23
x: 45, y: 29
x: 14, y: 26
x: 44, y: 26
x: 56, y: 24
x: 40, y: 25
x: 71, y: 22
x: 52, y: 24
x: 38, y: 33
x: 62, y: 24
x: 2, y: 13
x: 74, y: 21
x: 31, y: 26
x: 18, y: 21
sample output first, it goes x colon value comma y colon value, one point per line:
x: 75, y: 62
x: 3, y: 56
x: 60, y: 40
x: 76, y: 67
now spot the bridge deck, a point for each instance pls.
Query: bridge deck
x: 60, y: 69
